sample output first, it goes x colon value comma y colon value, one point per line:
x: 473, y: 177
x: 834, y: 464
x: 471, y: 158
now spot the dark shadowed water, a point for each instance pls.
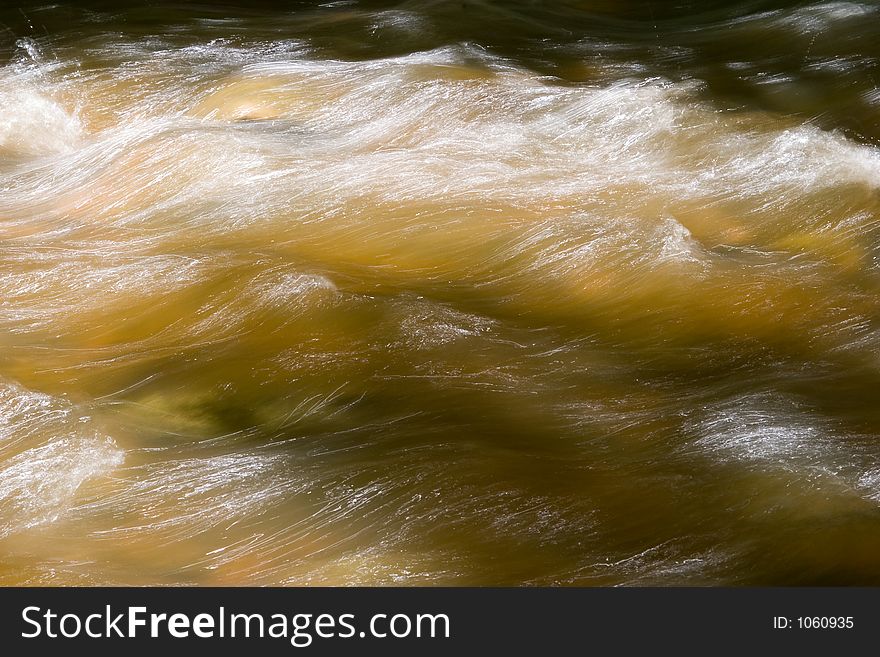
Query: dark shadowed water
x: 570, y: 292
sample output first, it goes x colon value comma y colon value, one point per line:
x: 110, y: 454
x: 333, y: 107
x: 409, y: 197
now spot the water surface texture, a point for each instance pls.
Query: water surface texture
x: 571, y: 293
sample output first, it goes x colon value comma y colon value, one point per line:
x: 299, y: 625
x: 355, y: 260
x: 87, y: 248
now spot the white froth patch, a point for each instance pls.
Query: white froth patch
x: 773, y: 434
x: 426, y: 325
x: 292, y: 288
x: 521, y: 140
x: 288, y: 293
x: 34, y: 124
x: 23, y: 413
x: 816, y: 18
x: 503, y: 136
x: 869, y: 483
x: 758, y: 438
x: 676, y: 243
x: 759, y: 428
x: 803, y: 158
x: 38, y: 485
x: 198, y: 493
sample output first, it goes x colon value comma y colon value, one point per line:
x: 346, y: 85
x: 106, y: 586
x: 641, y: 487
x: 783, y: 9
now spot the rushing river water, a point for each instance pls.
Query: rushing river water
x: 573, y: 292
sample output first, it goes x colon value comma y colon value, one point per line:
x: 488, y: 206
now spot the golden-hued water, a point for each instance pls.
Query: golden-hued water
x: 440, y: 293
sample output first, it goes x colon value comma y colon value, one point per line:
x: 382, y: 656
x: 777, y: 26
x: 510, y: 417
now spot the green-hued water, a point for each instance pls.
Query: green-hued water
x: 433, y: 292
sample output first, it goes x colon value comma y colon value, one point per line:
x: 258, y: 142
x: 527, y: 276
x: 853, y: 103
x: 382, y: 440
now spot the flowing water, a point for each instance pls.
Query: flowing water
x: 575, y: 292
